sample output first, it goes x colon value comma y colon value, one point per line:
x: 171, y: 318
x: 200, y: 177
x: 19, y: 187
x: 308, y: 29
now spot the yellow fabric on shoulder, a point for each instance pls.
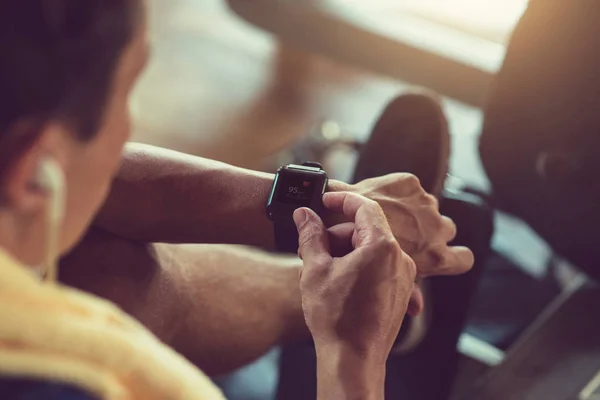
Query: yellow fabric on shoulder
x: 53, y: 333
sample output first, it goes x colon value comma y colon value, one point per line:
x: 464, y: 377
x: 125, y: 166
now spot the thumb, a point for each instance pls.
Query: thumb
x: 312, y: 236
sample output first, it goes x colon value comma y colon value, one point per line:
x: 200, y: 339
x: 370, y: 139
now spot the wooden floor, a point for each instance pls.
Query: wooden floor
x: 220, y: 88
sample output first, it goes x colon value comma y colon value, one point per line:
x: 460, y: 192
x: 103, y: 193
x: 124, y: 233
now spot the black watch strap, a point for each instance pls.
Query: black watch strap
x: 286, y: 234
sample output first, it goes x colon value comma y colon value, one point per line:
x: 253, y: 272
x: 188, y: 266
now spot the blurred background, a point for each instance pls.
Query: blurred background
x: 254, y: 84
x: 222, y: 88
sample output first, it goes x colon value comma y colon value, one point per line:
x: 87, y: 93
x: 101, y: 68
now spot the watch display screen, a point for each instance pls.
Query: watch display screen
x: 296, y: 189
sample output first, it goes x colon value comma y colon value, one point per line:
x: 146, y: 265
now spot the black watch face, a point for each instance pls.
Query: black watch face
x: 296, y: 189
x: 293, y: 189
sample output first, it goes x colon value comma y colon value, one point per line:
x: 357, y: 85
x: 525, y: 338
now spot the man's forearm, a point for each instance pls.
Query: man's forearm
x: 241, y: 303
x: 344, y: 374
x: 221, y: 307
x: 165, y: 196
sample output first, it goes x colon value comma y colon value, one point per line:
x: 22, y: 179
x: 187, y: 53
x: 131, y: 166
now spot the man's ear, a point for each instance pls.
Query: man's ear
x: 20, y: 181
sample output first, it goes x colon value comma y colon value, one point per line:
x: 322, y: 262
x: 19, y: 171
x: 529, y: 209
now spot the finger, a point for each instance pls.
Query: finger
x: 457, y: 260
x: 312, y: 237
x: 449, y: 229
x: 341, y: 231
x: 431, y: 200
x: 370, y: 221
x: 416, y: 302
x: 352, y: 205
x: 340, y: 239
x: 443, y: 261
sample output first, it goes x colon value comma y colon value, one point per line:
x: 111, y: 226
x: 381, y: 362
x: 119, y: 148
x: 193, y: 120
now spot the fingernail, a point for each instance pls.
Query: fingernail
x: 300, y: 216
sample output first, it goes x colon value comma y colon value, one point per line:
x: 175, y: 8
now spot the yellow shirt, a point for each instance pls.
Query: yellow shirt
x: 53, y: 333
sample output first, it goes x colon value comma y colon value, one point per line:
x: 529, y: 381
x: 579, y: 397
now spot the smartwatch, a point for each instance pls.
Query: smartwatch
x: 294, y: 186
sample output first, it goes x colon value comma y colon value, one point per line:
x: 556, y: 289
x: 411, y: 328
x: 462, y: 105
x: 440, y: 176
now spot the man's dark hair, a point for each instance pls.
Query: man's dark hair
x: 58, y: 58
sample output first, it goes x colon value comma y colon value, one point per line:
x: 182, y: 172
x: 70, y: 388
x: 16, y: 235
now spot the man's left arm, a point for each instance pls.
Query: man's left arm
x: 165, y: 196
x: 161, y: 195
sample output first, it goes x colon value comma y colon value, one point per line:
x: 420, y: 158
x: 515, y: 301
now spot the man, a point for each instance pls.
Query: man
x: 253, y: 299
x: 67, y: 70
x: 161, y: 196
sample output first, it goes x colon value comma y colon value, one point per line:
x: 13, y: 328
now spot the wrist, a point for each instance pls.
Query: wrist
x: 345, y: 373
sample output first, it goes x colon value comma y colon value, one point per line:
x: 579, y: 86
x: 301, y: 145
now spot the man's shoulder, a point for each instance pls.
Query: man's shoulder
x: 30, y: 389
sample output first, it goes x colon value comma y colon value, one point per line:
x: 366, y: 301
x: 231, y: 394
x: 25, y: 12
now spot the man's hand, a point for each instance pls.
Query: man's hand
x: 353, y: 305
x: 361, y: 298
x: 416, y: 223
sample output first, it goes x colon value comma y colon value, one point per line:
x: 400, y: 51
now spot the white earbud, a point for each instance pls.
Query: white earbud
x: 50, y: 175
x: 52, y: 180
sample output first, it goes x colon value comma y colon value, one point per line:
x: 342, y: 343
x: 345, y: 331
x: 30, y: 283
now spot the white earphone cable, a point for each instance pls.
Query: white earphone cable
x: 55, y: 184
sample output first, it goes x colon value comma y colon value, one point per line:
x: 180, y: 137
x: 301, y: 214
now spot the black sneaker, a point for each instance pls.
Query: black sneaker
x: 411, y: 135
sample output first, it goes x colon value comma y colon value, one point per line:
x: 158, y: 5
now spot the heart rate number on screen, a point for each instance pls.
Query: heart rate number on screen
x: 298, y: 191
